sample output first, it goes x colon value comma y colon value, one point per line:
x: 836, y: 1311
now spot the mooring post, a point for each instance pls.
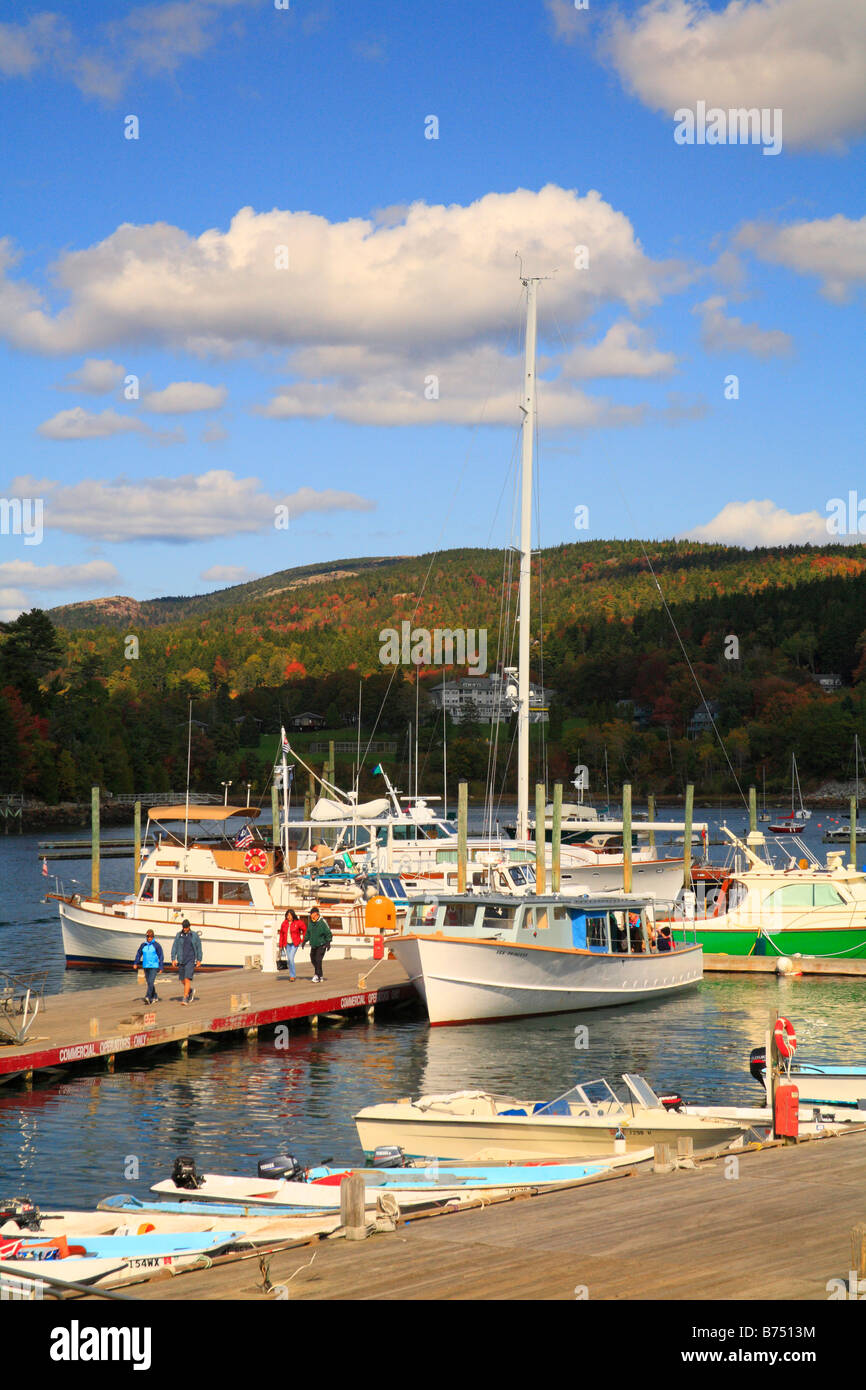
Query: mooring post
x: 753, y: 810
x: 626, y: 836
x: 136, y: 878
x: 462, y: 834
x: 94, y: 842
x: 556, y: 839
x: 687, y: 836
x: 651, y: 814
x: 353, y: 1191
x: 540, y: 840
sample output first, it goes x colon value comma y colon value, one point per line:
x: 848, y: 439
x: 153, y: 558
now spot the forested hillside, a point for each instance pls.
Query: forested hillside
x: 99, y: 692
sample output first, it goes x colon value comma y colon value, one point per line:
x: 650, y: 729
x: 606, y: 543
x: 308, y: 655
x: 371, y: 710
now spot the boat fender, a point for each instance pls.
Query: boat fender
x: 785, y: 1037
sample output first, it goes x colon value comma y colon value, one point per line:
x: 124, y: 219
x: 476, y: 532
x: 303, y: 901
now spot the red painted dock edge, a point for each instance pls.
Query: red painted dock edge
x: 69, y: 1052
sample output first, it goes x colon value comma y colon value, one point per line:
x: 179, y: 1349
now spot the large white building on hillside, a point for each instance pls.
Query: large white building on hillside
x: 482, y: 700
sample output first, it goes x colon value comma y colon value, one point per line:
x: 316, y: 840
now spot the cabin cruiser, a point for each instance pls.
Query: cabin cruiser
x: 801, y: 909
x: 480, y: 957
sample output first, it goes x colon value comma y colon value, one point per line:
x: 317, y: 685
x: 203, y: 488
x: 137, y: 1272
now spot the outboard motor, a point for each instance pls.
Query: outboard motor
x: 388, y: 1156
x: 184, y: 1174
x: 758, y: 1063
x: 672, y: 1102
x: 22, y: 1211
x: 285, y: 1167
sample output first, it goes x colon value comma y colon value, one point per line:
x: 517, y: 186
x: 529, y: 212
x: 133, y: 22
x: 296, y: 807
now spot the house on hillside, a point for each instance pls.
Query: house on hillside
x: 482, y: 700
x: 640, y: 716
x: 701, y: 721
x: 828, y: 682
x: 303, y: 723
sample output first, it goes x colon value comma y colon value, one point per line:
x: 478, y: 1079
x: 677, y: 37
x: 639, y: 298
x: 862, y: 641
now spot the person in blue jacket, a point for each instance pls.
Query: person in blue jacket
x: 149, y: 957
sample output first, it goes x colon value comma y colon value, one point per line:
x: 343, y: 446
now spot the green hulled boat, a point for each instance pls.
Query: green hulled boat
x: 767, y: 911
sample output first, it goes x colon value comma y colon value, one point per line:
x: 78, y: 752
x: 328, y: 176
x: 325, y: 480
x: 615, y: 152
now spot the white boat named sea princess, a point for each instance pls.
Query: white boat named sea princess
x: 476, y: 958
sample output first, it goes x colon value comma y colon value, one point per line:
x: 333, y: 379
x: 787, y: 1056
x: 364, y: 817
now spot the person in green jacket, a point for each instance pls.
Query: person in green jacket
x: 318, y: 940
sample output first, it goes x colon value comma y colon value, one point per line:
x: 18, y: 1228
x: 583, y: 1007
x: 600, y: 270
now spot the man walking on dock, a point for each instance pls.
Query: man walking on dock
x: 318, y: 940
x: 186, y: 954
x: 150, y: 958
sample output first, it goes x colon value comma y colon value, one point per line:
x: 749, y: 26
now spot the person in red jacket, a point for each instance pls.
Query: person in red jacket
x: 293, y: 929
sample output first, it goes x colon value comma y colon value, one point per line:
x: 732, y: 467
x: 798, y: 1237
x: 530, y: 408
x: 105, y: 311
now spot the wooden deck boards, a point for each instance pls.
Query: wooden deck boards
x: 778, y: 1231
x: 227, y: 1001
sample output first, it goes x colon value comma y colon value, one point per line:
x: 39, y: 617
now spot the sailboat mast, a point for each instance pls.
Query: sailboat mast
x: 528, y: 440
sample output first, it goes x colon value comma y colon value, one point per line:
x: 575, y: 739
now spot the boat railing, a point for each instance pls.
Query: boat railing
x: 21, y: 997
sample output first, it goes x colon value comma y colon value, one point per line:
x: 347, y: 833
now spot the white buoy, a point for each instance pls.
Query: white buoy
x: 784, y: 966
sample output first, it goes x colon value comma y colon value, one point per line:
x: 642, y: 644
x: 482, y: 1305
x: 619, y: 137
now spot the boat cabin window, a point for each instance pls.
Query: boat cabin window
x: 446, y: 856
x: 460, y: 915
x: 499, y: 917
x: 596, y: 932
x: 146, y: 894
x: 234, y: 894
x: 166, y: 890
x: 792, y: 895
x: 826, y: 895
x: 519, y: 876
x: 195, y: 890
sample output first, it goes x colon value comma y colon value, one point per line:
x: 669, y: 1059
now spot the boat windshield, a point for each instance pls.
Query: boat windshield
x: 592, y: 1098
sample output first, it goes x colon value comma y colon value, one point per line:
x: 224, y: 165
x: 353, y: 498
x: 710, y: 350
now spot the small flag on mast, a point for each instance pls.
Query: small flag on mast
x: 285, y: 740
x: 244, y: 838
x: 44, y: 868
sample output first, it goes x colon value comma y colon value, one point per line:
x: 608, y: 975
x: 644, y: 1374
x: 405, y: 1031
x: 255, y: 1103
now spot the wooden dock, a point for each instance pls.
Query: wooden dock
x: 774, y: 1225
x: 768, y: 965
x: 97, y: 1026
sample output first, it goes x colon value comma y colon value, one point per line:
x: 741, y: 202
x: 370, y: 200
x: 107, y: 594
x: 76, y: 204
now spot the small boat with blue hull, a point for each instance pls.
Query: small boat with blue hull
x: 819, y: 1083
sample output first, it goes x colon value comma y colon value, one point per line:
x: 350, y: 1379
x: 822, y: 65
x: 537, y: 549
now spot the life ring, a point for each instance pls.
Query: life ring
x: 722, y: 897
x: 255, y: 861
x: 785, y: 1037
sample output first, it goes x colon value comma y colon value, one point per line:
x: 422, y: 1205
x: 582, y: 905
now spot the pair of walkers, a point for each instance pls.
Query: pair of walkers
x: 185, y: 954
x: 294, y: 933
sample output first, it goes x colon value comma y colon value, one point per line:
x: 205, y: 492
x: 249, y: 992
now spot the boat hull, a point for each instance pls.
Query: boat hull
x: 472, y: 981
x: 846, y: 943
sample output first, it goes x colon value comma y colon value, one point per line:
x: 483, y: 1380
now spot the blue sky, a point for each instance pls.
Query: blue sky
x: 176, y: 369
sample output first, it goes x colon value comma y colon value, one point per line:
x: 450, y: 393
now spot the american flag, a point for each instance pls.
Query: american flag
x: 245, y: 838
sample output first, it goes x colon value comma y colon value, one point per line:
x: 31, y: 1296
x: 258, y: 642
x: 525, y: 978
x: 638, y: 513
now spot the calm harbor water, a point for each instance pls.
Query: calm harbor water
x: 94, y: 1134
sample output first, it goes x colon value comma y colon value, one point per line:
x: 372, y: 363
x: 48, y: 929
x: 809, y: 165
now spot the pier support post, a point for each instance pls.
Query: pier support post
x: 353, y: 1191
x: 94, y: 842
x: 858, y: 1258
x: 556, y: 838
x: 275, y: 812
x: 687, y: 835
x: 540, y: 840
x: 664, y: 1160
x: 626, y: 837
x: 136, y: 877
x: 462, y: 833
x: 651, y: 815
x: 753, y: 810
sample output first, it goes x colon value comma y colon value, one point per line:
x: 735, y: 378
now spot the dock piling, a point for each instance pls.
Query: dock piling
x: 540, y: 840
x: 651, y: 815
x: 556, y: 836
x: 687, y: 835
x: 94, y: 842
x: 626, y: 837
x: 136, y: 876
x: 462, y: 832
x: 353, y: 1191
x: 753, y: 810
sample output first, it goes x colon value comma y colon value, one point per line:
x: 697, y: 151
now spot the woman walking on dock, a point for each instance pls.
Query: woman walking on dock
x: 186, y: 954
x: 149, y: 958
x: 319, y: 939
x: 292, y: 932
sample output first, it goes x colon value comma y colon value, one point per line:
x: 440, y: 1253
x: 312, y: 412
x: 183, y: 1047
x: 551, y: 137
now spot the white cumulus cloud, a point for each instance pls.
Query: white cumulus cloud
x: 184, y: 398
x: 806, y: 58
x: 833, y: 248
x: 763, y: 523
x: 722, y: 332
x: 95, y: 377
x: 227, y: 574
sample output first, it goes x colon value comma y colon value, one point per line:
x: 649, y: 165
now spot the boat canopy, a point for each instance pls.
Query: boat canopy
x: 199, y: 812
x: 326, y: 809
